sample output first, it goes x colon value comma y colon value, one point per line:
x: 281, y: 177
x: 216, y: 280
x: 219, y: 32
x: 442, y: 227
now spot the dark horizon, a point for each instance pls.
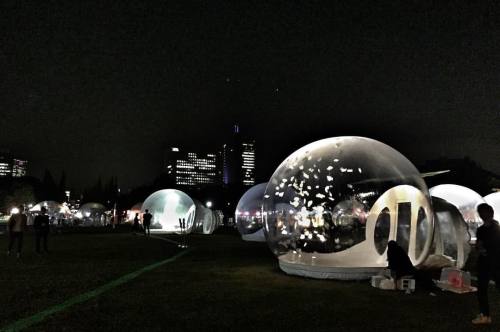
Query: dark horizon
x: 100, y: 90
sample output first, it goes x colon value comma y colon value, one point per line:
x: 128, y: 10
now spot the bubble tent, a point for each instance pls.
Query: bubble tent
x: 465, y: 200
x: 206, y: 221
x: 167, y: 206
x: 451, y: 235
x: 331, y: 207
x: 493, y: 199
x: 55, y: 210
x: 248, y: 214
x: 92, y: 214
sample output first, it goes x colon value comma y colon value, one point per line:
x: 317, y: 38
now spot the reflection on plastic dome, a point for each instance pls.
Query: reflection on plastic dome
x: 248, y: 213
x: 494, y: 200
x: 465, y: 200
x: 168, y: 206
x: 332, y: 206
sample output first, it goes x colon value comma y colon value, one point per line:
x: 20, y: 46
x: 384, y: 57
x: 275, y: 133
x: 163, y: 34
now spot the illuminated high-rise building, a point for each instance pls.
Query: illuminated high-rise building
x: 248, y: 163
x: 5, y: 166
x: 238, y: 158
x: 189, y: 168
x: 12, y: 167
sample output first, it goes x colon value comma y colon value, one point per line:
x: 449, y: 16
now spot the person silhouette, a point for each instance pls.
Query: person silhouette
x: 16, y: 226
x: 488, y: 265
x: 41, y: 226
x: 146, y: 222
x: 135, y: 226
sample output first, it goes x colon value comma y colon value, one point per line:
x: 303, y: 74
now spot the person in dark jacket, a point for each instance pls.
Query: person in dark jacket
x: 146, y: 222
x: 401, y: 265
x: 136, y: 227
x: 398, y: 261
x: 41, y: 226
x: 488, y: 265
x: 16, y: 226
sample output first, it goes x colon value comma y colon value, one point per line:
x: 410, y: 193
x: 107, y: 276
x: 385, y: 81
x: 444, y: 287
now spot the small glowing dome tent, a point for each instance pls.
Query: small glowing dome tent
x: 55, y: 210
x: 205, y: 221
x: 168, y: 206
x: 331, y: 207
x: 248, y: 214
x: 92, y: 214
x: 211, y: 223
x: 451, y: 235
x: 494, y: 200
x: 464, y: 199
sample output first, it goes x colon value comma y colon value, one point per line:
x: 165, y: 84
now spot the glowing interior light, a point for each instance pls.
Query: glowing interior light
x: 168, y: 206
x: 14, y: 211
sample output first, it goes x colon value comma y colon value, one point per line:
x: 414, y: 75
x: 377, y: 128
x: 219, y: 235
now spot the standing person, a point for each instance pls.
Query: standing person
x: 41, y: 225
x: 16, y: 226
x: 146, y: 222
x: 135, y: 226
x: 488, y: 266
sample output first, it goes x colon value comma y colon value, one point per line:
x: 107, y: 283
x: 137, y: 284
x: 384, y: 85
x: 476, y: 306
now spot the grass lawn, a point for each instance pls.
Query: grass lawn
x: 222, y: 284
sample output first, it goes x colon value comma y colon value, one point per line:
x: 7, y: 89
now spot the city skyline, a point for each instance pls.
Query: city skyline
x: 101, y: 91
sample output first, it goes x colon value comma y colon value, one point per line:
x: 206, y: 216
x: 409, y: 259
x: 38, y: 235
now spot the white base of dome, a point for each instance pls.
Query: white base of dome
x: 329, y: 272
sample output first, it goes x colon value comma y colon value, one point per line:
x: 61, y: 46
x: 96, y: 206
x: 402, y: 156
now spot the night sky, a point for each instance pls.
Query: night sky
x: 99, y: 89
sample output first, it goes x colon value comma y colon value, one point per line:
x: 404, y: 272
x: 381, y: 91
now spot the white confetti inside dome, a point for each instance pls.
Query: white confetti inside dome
x: 331, y: 207
x: 168, y: 206
x: 248, y: 213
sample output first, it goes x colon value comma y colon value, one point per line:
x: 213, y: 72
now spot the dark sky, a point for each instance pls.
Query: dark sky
x: 99, y: 88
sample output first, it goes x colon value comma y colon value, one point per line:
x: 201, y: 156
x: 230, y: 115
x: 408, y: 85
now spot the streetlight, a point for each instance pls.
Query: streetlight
x: 208, y: 204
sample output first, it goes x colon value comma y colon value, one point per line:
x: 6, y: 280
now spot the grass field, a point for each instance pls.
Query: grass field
x: 222, y: 284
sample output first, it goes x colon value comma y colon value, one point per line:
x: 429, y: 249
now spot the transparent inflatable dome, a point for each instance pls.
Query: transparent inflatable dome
x: 205, y: 221
x: 92, y: 214
x: 53, y: 208
x: 248, y: 214
x: 494, y: 200
x: 465, y: 200
x: 331, y: 207
x: 168, y: 206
